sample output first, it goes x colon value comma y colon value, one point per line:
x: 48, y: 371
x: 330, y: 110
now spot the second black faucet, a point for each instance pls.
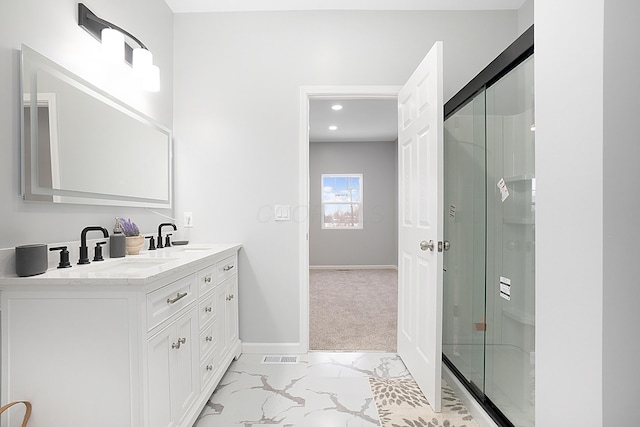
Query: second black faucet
x: 164, y: 224
x: 84, y: 251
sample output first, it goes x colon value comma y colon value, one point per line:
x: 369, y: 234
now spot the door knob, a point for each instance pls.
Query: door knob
x: 444, y: 246
x: 424, y: 245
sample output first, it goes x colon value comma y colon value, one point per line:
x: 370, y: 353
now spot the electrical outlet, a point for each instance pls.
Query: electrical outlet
x: 188, y: 219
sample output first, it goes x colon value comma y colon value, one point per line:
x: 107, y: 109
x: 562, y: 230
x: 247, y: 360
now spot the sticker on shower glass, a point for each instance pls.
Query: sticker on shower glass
x: 504, y: 191
x: 452, y: 212
x: 505, y: 288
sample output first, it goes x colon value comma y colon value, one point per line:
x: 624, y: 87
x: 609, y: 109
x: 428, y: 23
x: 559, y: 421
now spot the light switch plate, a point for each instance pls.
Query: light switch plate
x: 188, y: 219
x: 282, y: 212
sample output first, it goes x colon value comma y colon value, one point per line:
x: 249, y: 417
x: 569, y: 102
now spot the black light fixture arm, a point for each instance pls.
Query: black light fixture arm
x: 94, y: 26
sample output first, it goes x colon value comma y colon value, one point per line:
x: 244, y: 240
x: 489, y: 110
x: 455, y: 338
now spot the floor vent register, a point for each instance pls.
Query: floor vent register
x: 280, y: 360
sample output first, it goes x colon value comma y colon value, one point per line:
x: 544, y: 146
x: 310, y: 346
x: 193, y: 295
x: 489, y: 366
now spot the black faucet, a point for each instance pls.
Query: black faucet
x: 84, y: 251
x: 159, y: 245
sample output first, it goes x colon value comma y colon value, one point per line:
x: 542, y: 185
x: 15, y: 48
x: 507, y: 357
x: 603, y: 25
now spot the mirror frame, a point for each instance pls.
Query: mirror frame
x: 31, y: 190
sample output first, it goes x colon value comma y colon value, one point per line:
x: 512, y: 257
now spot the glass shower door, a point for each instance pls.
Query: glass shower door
x: 510, y: 344
x: 488, y: 337
x: 463, y: 339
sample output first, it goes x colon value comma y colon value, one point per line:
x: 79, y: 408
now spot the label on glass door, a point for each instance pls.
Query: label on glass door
x: 504, y: 191
x: 505, y: 288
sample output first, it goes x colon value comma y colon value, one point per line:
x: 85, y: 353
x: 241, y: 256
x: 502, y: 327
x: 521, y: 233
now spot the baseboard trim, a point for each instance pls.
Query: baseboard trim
x: 477, y: 412
x: 272, y: 348
x: 353, y: 267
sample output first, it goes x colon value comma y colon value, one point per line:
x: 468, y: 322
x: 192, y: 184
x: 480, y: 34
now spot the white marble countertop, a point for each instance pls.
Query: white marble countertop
x: 139, y: 269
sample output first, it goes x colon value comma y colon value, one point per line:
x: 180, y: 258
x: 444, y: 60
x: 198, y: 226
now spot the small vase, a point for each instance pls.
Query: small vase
x: 134, y: 244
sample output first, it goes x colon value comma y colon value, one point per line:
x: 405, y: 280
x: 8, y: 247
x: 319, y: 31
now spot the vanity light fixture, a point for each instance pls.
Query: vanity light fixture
x: 116, y: 49
x: 336, y: 107
x: 333, y: 127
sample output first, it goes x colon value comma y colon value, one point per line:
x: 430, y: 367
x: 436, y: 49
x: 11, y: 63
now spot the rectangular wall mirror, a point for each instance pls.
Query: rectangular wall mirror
x: 81, y: 145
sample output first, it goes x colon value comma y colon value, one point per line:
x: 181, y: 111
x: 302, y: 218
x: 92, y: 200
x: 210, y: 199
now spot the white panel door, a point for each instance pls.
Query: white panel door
x: 159, y: 366
x: 420, y: 124
x: 185, y: 384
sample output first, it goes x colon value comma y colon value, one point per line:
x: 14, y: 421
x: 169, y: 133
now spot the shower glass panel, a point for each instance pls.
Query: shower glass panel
x: 463, y: 339
x: 489, y: 222
x: 510, y: 346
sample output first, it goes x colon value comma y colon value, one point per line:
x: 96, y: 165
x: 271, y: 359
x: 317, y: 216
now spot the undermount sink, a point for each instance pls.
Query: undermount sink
x: 190, y: 249
x: 128, y: 265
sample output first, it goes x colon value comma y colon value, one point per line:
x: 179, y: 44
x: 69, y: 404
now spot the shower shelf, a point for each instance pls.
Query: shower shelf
x: 518, y: 221
x: 519, y: 178
x: 519, y: 316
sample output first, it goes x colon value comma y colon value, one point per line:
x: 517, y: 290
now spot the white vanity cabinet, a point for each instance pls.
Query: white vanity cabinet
x: 104, y: 347
x: 227, y: 305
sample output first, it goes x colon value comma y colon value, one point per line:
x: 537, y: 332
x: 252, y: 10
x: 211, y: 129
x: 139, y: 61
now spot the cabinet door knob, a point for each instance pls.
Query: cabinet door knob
x: 177, y: 345
x: 207, y: 309
x: 209, y: 367
x: 207, y: 279
x: 209, y: 338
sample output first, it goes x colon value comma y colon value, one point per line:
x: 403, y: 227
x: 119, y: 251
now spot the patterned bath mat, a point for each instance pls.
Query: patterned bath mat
x: 400, y: 403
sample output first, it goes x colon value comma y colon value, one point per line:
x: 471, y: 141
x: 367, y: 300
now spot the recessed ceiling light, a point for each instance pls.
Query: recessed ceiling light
x: 333, y: 127
x: 336, y: 107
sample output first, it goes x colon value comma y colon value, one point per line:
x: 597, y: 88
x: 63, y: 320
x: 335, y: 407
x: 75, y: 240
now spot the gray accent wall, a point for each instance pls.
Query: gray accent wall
x: 376, y: 244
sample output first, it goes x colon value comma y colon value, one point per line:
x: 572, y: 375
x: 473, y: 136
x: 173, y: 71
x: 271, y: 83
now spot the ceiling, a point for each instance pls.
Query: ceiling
x: 359, y: 120
x: 196, y: 6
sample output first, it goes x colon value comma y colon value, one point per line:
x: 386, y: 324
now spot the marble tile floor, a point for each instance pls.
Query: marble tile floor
x: 322, y: 390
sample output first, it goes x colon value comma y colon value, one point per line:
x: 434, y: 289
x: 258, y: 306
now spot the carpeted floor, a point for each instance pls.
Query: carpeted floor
x: 353, y: 310
x: 400, y: 403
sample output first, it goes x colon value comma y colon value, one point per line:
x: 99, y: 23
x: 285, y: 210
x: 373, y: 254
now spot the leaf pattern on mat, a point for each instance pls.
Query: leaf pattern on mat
x: 397, y: 392
x: 400, y: 401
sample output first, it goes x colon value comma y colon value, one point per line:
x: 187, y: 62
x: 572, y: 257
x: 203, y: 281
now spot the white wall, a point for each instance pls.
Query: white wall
x: 238, y: 77
x: 376, y: 244
x: 569, y: 212
x: 621, y: 284
x: 50, y: 27
x: 525, y: 16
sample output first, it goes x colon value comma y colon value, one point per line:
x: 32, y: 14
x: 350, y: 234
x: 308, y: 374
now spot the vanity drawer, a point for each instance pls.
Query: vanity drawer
x: 208, y: 340
x: 206, y: 279
x: 207, y: 309
x: 226, y: 268
x: 169, y: 300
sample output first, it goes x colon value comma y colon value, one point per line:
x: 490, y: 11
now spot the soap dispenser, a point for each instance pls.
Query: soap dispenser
x: 117, y: 242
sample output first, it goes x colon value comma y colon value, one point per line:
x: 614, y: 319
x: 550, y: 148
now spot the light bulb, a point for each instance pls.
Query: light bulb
x: 151, y: 79
x: 113, y: 45
x: 142, y: 60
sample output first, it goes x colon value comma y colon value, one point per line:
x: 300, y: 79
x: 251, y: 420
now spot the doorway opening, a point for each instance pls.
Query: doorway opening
x: 312, y: 195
